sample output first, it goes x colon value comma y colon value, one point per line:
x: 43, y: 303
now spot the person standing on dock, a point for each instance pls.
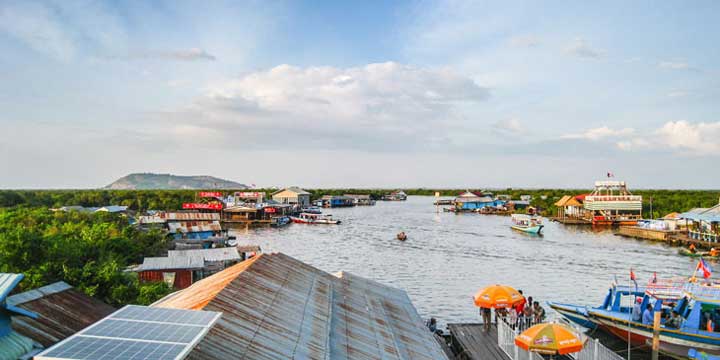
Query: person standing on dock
x: 520, y: 309
x: 528, y: 312
x: 487, y: 318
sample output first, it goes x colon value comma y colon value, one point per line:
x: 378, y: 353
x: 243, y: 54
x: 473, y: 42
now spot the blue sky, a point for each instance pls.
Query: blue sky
x: 371, y: 93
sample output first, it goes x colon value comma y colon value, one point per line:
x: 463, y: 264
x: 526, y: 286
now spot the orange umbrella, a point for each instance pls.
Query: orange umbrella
x: 550, y: 339
x: 497, y: 296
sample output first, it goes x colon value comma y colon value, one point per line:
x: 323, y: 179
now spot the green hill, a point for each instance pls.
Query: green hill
x: 150, y: 181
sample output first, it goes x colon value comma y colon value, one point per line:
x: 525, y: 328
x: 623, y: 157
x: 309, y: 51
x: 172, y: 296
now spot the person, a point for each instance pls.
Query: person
x: 528, y: 312
x: 539, y: 312
x: 513, y: 317
x: 647, y: 318
x: 487, y: 318
x: 714, y: 252
x: 692, y: 248
x: 637, y: 310
x: 520, y: 308
x: 674, y: 321
x: 432, y: 325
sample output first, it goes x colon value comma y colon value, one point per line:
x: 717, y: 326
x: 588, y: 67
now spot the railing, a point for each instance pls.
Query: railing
x: 709, y: 237
x: 591, y: 198
x: 593, y: 349
x: 506, y: 342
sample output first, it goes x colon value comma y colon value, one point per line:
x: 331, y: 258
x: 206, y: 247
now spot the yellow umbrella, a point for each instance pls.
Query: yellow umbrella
x: 497, y: 296
x: 551, y: 339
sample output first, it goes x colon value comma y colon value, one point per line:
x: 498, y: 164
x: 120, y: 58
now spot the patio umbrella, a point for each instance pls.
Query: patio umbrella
x: 550, y: 339
x: 497, y: 296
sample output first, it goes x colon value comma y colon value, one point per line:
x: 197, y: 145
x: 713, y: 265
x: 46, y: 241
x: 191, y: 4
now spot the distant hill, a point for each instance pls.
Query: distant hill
x: 169, y: 182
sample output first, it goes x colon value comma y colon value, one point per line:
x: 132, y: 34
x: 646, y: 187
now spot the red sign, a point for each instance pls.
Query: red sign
x: 270, y: 210
x: 202, y: 206
x: 210, y: 194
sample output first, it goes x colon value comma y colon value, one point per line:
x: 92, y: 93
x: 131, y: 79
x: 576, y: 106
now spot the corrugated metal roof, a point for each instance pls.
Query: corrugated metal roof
x: 295, y: 189
x: 277, y: 307
x: 113, y: 208
x: 62, y: 312
x: 194, y: 226
x: 211, y: 255
x: 163, y: 217
x: 171, y: 263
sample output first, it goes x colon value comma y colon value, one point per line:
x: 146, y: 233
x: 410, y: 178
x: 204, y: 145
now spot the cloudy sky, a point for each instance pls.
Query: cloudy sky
x: 364, y: 93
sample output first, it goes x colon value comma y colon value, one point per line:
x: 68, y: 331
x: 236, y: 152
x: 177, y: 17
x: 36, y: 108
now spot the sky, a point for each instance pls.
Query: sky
x: 361, y: 93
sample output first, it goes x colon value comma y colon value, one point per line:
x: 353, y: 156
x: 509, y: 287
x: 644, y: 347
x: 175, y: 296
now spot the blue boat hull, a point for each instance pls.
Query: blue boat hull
x: 576, y: 314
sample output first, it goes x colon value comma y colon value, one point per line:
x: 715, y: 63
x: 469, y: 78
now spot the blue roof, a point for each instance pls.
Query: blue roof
x: 8, y: 282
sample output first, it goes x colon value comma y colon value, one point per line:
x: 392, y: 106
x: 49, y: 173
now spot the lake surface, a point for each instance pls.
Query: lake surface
x: 448, y: 257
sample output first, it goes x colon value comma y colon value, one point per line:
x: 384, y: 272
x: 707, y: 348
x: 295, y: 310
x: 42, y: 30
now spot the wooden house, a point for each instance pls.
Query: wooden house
x: 293, y: 196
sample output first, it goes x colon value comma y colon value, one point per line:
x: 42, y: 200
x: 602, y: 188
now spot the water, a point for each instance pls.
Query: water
x: 448, y: 257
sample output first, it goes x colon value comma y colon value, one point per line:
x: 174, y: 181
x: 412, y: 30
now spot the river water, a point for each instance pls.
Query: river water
x: 448, y: 257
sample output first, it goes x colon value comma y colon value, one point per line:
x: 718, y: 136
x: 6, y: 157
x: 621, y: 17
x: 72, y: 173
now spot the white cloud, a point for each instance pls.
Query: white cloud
x: 579, y: 47
x: 193, y: 54
x: 370, y: 107
x: 677, y: 94
x: 600, y: 133
x: 509, y: 126
x: 681, y: 137
x: 525, y: 41
x: 674, y: 65
x: 61, y: 29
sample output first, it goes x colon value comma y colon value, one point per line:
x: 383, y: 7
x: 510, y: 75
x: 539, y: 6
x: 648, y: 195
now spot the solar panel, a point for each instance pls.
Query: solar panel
x: 137, y: 333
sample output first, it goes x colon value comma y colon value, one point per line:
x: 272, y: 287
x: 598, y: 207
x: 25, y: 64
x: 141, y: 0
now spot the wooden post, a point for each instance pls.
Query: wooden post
x: 656, y: 335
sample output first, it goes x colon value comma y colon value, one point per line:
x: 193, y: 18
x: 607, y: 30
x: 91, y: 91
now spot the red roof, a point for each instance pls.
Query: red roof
x: 581, y: 197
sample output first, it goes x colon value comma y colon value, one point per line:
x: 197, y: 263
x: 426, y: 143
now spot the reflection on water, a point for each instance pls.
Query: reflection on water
x: 447, y: 257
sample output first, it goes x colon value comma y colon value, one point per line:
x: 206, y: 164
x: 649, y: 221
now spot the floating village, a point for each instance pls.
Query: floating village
x: 232, y: 300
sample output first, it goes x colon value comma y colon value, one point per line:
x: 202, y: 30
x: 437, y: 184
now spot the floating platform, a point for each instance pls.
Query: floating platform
x: 571, y: 221
x: 643, y: 233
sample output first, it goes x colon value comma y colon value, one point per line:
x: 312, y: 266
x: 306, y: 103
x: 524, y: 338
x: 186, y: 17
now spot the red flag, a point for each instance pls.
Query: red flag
x: 632, y: 275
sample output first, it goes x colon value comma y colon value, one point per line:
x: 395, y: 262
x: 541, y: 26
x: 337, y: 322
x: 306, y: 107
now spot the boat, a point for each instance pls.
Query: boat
x: 705, y: 254
x: 308, y: 218
x: 693, y: 301
x: 312, y: 210
x: 280, y: 221
x: 526, y: 223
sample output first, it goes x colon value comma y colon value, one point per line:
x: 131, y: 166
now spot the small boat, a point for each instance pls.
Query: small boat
x: 312, y: 210
x: 526, y: 223
x: 402, y: 236
x: 280, y: 221
x: 307, y: 218
x: 705, y: 254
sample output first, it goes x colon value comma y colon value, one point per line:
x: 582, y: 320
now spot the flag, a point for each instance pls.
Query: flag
x: 609, y: 174
x: 705, y: 268
x: 632, y: 275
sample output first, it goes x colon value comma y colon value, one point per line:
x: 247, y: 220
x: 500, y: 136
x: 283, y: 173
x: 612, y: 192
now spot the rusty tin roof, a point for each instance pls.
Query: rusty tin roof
x: 277, y: 307
x: 62, y: 311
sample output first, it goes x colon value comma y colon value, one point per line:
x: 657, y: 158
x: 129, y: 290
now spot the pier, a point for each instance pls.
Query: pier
x: 643, y: 233
x: 469, y: 341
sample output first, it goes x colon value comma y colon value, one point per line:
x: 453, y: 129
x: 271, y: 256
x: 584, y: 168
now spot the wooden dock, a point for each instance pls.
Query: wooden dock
x: 470, y: 342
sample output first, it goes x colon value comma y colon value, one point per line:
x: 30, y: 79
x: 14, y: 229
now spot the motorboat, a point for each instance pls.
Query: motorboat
x: 308, y: 218
x: 526, y: 223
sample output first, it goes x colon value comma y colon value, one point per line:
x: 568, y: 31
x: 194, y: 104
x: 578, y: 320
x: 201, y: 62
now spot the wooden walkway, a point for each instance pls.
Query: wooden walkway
x: 471, y: 342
